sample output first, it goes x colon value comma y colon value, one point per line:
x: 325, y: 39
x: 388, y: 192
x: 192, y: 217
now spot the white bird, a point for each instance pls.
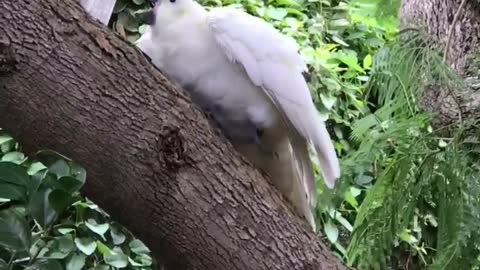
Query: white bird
x: 249, y: 76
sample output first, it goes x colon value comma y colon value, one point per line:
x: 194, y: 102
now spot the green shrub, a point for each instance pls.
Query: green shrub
x: 46, y: 224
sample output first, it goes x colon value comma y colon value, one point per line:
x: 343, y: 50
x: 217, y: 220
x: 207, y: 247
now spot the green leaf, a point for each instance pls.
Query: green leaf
x: 45, y: 264
x: 346, y: 224
x: 37, y: 179
x: 35, y: 168
x: 407, y: 237
x: 60, y: 200
x: 338, y: 216
x: 13, y: 173
x: 70, y: 184
x: 367, y: 61
x: 78, y: 172
x: 432, y: 220
x: 355, y: 191
x: 90, y: 205
x: 340, y: 247
x: 363, y: 179
x: 127, y: 21
x: 65, y: 243
x: 39, y: 207
x: 339, y: 23
x: 14, y: 231
x: 59, y: 248
x: 339, y: 40
x: 142, y: 29
x: 119, y: 6
x: 374, y: 42
x: 138, y: 247
x: 15, y: 157
x: 442, y: 144
x: 65, y: 230
x: 328, y: 101
x: 116, y: 259
x: 76, y: 262
x: 350, y: 198
x: 141, y: 260
x: 19, y: 209
x: 331, y: 231
x: 5, y: 138
x: 102, y: 248
x: 7, y: 147
x: 86, y: 204
x: 288, y: 3
x: 117, y: 236
x: 102, y: 267
x: 99, y: 229
x: 331, y: 84
x: 59, y: 168
x: 349, y: 58
x: 12, y: 192
x: 363, y: 79
x: 276, y: 13
x: 86, y: 245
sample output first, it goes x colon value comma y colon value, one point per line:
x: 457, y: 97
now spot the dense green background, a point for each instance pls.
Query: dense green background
x: 407, y: 196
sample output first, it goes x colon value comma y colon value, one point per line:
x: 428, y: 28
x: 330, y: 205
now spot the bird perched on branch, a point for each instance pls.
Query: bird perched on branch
x: 249, y: 77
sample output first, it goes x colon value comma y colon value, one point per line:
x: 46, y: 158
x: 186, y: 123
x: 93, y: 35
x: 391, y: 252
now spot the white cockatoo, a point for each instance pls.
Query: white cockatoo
x: 249, y: 76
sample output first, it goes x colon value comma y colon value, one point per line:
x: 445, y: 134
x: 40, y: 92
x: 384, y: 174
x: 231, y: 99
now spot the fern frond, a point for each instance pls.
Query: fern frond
x: 417, y: 173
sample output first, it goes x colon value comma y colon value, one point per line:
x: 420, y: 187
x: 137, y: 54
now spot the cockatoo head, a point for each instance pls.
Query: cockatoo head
x: 165, y: 13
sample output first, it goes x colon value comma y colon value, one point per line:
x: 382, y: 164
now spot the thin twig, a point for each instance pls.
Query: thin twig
x: 452, y: 26
x: 10, y: 262
x: 445, y: 54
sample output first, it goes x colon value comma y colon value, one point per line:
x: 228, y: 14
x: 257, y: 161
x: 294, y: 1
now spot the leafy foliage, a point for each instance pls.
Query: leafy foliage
x: 46, y: 224
x: 426, y: 187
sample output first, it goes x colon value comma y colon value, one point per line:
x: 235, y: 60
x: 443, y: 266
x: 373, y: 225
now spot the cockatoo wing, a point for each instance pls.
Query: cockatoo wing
x: 273, y: 63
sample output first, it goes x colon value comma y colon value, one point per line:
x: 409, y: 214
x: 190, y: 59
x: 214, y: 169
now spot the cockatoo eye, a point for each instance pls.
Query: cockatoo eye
x: 173, y: 1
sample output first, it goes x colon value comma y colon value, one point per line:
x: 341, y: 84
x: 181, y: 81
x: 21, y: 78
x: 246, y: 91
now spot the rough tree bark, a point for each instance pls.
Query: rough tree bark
x: 154, y: 162
x: 436, y: 17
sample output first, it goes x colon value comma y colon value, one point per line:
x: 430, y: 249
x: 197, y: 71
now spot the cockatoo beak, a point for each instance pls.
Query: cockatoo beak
x: 147, y: 17
x: 152, y: 3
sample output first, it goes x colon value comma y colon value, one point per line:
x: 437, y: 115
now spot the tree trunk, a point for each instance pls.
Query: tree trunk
x: 154, y: 162
x: 463, y: 54
x: 437, y: 17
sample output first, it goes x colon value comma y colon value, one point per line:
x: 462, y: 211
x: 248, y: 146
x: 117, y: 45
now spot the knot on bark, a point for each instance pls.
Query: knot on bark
x: 172, y: 148
x: 7, y: 58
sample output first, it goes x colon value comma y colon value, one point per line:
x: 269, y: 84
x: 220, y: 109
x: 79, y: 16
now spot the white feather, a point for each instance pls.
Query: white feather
x: 278, y: 63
